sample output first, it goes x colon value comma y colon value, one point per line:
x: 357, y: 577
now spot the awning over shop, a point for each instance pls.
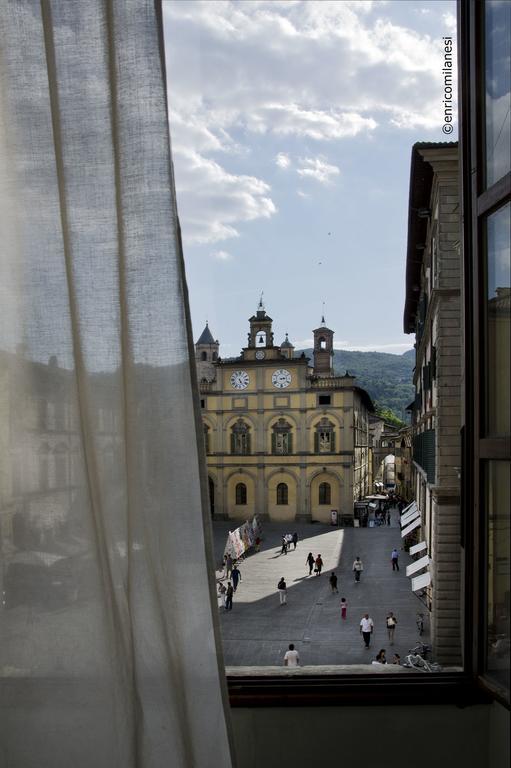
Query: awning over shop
x: 420, y: 547
x: 411, y: 512
x: 409, y: 528
x: 422, y: 581
x: 417, y: 565
x: 409, y: 517
x: 410, y: 505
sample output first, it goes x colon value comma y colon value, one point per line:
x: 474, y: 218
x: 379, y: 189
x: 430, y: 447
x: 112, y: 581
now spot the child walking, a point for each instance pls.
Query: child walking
x: 344, y: 607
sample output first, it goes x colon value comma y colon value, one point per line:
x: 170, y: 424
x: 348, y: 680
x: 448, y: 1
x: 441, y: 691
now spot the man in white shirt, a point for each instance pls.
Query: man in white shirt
x: 291, y: 657
x: 366, y: 628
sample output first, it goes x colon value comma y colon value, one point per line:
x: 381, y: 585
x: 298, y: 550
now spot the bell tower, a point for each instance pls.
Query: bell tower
x: 323, y: 350
x: 206, y: 355
x: 261, y: 335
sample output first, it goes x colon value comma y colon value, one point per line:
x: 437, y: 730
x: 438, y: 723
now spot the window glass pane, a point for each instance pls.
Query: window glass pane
x: 498, y: 603
x: 498, y: 322
x: 498, y: 90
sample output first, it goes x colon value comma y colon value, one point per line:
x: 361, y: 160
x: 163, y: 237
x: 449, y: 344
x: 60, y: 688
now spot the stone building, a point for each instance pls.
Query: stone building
x: 283, y: 439
x: 433, y: 313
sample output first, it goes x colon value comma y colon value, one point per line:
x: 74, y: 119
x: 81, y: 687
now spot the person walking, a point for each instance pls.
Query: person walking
x: 394, y: 558
x: 291, y: 657
x: 228, y: 597
x: 310, y: 562
x: 236, y: 577
x: 221, y: 593
x: 283, y: 550
x: 366, y: 628
x: 257, y: 544
x: 391, y: 626
x: 295, y: 539
x: 358, y: 567
x: 228, y: 566
x: 333, y: 582
x: 318, y: 562
x: 388, y: 516
x: 282, y: 587
x: 420, y: 623
x: 344, y: 607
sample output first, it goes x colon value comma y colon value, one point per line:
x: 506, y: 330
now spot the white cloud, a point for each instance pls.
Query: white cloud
x: 300, y: 71
x: 317, y: 168
x: 293, y: 120
x: 212, y: 201
x: 450, y: 22
x: 303, y: 194
x: 397, y: 348
x: 221, y: 255
x: 283, y: 160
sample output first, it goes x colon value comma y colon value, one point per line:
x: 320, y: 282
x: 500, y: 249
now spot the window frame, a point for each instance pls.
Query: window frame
x: 324, y: 492
x: 478, y: 203
x: 240, y: 492
x: 282, y: 494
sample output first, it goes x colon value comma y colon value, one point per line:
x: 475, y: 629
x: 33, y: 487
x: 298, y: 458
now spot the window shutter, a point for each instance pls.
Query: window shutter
x: 233, y: 444
x: 332, y: 442
x: 273, y: 442
x: 316, y: 442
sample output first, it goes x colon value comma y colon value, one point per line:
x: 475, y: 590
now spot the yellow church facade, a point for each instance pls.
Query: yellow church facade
x: 285, y: 440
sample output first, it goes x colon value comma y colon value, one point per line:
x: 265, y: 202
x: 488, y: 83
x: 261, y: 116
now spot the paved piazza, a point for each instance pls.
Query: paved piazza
x: 258, y: 630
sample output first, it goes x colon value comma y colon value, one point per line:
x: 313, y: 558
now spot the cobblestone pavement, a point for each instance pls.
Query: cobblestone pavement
x: 258, y: 630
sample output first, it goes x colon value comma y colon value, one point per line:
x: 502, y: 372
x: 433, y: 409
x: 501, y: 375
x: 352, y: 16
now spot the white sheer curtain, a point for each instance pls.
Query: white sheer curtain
x: 108, y: 634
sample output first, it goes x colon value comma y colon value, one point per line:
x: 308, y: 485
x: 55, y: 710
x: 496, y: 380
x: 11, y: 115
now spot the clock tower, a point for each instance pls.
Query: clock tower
x: 260, y: 338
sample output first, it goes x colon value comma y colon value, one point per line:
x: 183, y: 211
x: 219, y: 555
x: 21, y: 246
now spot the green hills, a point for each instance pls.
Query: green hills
x: 387, y: 378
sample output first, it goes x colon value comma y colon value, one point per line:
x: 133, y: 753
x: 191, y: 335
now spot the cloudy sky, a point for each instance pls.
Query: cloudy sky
x: 292, y: 125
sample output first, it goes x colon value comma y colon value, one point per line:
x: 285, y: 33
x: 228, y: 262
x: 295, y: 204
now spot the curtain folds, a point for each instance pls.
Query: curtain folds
x: 109, y: 645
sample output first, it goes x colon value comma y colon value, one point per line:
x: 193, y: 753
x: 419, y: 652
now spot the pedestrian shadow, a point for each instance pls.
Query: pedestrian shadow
x: 301, y: 578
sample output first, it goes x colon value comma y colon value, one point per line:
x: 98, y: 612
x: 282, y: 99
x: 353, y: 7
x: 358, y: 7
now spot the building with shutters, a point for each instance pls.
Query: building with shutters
x: 433, y: 313
x: 284, y: 439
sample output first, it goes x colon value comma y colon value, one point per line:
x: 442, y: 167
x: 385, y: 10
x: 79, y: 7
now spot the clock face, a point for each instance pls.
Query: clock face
x: 281, y: 378
x: 240, y: 380
x: 260, y: 354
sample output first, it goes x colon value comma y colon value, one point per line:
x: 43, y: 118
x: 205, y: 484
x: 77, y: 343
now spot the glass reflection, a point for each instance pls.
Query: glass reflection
x: 498, y: 318
x: 498, y: 90
x: 498, y: 601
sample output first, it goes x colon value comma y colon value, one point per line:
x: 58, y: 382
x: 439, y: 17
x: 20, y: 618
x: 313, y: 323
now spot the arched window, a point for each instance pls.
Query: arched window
x: 324, y: 438
x: 240, y: 439
x: 325, y: 493
x: 206, y: 438
x: 241, y: 493
x: 281, y: 438
x: 322, y: 343
x: 203, y: 355
x: 282, y: 493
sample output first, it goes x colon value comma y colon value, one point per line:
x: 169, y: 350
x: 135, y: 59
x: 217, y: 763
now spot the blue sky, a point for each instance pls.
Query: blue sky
x: 292, y: 125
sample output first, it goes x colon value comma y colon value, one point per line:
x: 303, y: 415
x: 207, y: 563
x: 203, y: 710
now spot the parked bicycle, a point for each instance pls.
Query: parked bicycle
x: 421, y: 649
x: 415, y: 661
